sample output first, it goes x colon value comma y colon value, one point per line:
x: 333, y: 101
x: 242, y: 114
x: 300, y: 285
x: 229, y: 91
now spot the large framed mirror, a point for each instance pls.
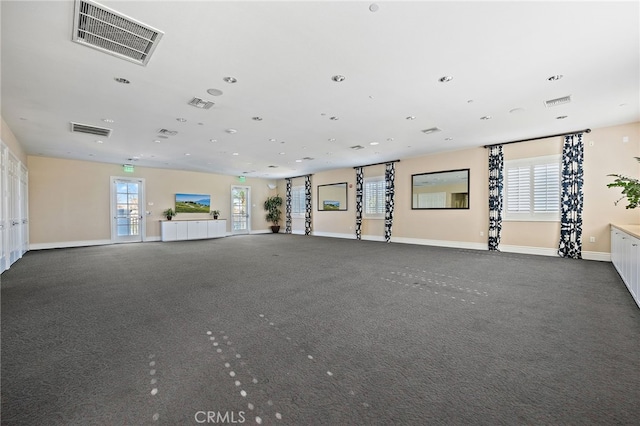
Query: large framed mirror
x: 332, y: 197
x: 440, y: 190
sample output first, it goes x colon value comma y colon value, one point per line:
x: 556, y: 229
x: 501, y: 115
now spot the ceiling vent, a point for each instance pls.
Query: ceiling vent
x: 91, y: 130
x: 356, y: 147
x: 111, y: 32
x: 432, y: 130
x: 166, y: 132
x: 200, y: 103
x: 308, y: 158
x: 558, y: 101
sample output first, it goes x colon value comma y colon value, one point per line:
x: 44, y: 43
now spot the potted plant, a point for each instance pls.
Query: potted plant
x: 215, y: 213
x: 169, y: 213
x: 630, y: 189
x: 272, y: 206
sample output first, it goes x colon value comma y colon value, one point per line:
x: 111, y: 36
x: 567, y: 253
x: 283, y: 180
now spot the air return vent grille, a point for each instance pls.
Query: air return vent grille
x: 167, y: 132
x: 91, y: 130
x: 104, y: 29
x: 557, y: 101
x: 201, y: 103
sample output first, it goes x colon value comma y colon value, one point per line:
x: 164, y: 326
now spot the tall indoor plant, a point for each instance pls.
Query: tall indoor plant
x: 272, y: 206
x: 630, y: 188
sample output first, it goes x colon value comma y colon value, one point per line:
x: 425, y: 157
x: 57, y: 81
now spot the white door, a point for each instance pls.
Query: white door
x: 13, y: 207
x: 240, y: 202
x: 127, y: 202
x: 4, y: 259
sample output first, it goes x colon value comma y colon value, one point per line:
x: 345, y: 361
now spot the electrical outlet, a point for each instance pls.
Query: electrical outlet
x: 592, y: 239
x: 481, y: 234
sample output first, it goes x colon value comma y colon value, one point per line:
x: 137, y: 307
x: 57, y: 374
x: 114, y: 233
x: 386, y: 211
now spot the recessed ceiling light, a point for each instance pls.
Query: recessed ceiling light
x: 256, y: 118
x: 334, y: 118
x: 121, y: 80
x: 389, y: 139
x: 214, y: 92
x: 298, y: 161
x: 374, y: 143
x: 448, y: 139
x: 213, y: 140
x: 331, y: 139
x: 561, y: 117
x: 282, y: 153
x: 182, y: 120
x: 235, y: 153
x: 373, y: 7
x: 156, y: 141
x: 272, y: 140
x: 486, y: 117
x: 108, y: 120
x: 187, y: 154
x: 555, y: 77
x: 470, y: 101
x: 99, y: 142
x: 231, y: 131
x: 338, y: 78
x: 230, y: 79
x: 445, y: 79
x: 411, y: 117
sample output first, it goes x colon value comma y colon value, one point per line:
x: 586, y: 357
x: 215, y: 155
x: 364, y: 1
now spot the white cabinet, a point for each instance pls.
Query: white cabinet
x: 196, y: 229
x: 625, y: 255
x: 216, y: 228
x: 174, y: 230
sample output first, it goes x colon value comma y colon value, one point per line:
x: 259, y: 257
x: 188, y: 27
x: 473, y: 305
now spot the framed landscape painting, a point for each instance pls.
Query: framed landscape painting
x: 193, y: 203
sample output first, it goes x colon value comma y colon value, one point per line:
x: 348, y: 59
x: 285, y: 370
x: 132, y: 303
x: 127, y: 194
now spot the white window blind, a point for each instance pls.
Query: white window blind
x: 298, y: 207
x: 532, y: 189
x: 374, y: 189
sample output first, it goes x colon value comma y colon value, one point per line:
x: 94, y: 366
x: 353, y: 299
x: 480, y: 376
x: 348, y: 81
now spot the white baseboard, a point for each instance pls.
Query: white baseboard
x: 69, y: 244
x: 540, y: 251
x: 334, y: 235
x: 151, y: 239
x: 596, y: 255
x: 440, y: 243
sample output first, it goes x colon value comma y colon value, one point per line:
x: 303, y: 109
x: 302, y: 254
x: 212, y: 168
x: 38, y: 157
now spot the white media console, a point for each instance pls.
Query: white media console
x: 175, y: 230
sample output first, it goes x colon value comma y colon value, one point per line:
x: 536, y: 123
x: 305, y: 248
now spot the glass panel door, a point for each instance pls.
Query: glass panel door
x: 240, y: 202
x: 127, y: 224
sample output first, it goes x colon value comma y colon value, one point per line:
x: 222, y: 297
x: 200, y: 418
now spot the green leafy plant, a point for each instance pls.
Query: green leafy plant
x: 169, y: 213
x: 215, y: 213
x: 272, y: 206
x: 630, y: 189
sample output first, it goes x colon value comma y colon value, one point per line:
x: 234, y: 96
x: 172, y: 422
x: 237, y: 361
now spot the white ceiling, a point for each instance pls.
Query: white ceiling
x: 284, y: 55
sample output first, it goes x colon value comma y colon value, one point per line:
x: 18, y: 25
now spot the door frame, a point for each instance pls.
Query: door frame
x: 247, y: 190
x: 141, y: 205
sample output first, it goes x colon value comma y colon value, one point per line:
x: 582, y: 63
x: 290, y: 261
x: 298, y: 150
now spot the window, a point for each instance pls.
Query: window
x: 374, y: 189
x: 298, y: 207
x: 532, y: 189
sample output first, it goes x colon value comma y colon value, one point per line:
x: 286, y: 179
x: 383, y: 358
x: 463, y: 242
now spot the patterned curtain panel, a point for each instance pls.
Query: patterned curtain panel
x: 572, y: 197
x: 389, y: 193
x: 307, y: 202
x: 496, y: 170
x: 359, y: 194
x: 287, y: 209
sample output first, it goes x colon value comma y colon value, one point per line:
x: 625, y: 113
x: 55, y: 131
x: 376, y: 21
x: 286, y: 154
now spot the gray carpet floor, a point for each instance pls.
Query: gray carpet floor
x: 295, y: 330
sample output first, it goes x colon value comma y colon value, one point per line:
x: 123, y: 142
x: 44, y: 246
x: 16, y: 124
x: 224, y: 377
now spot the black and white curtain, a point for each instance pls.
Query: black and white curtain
x: 496, y: 173
x: 571, y: 197
x: 287, y: 208
x: 359, y: 198
x: 389, y: 193
x: 307, y: 203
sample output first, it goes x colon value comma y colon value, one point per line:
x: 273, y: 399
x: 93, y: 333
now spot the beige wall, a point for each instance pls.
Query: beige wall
x: 605, y: 153
x: 70, y: 200
x: 12, y: 143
